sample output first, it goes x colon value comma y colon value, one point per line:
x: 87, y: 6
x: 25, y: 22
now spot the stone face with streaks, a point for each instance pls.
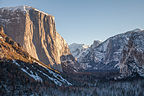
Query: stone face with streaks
x: 123, y: 53
x: 36, y: 32
x: 132, y: 62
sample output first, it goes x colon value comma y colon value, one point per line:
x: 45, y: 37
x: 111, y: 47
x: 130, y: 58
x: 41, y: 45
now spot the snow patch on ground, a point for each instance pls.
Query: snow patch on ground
x: 54, y: 80
x: 59, y: 77
x: 15, y: 62
x: 36, y: 77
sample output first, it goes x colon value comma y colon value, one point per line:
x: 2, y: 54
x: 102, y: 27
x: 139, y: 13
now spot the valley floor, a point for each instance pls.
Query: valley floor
x: 101, y: 88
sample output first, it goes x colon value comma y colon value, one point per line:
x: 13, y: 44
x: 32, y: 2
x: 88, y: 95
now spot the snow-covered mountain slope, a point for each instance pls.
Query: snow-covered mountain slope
x: 33, y: 71
x: 36, y: 32
x: 17, y: 64
x: 132, y: 61
x: 107, y: 55
x: 96, y: 43
x: 80, y: 50
x: 77, y: 49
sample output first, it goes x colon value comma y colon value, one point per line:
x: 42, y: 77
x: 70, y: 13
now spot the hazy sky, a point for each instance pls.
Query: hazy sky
x: 82, y: 21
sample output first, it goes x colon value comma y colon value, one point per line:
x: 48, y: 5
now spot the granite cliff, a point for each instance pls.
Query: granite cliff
x: 20, y: 73
x: 35, y: 31
x: 121, y: 53
x: 132, y: 61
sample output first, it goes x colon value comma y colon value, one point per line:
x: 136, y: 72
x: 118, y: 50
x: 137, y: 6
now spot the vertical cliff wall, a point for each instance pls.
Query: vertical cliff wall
x: 36, y: 32
x: 132, y: 60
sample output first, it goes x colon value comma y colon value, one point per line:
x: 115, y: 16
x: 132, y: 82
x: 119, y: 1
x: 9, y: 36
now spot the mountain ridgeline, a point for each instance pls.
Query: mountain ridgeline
x: 122, y: 53
x: 36, y: 32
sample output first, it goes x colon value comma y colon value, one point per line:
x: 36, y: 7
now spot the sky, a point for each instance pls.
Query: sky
x: 83, y: 21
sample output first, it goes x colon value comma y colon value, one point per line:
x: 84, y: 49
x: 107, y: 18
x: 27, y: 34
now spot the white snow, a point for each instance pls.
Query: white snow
x: 43, y: 13
x: 100, y: 52
x: 59, y: 77
x: 117, y: 65
x: 75, y: 46
x: 104, y: 45
x: 15, y: 62
x: 24, y: 8
x: 53, y: 79
x: 83, y: 53
x: 78, y: 50
x: 36, y: 77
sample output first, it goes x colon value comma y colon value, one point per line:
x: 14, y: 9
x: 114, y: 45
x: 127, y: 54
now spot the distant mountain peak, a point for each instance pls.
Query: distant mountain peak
x: 77, y: 49
x: 96, y: 43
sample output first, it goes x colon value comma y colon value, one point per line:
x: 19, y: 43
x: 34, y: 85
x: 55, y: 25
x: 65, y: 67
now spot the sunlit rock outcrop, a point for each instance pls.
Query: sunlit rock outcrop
x: 36, y: 32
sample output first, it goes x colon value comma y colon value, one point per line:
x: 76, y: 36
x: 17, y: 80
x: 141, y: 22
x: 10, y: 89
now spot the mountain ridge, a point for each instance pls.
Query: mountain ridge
x: 109, y: 55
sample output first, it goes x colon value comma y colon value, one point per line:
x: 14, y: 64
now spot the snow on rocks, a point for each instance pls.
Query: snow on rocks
x: 22, y: 8
x: 59, y: 77
x: 35, y: 77
x: 40, y: 74
x: 109, y: 53
x: 14, y: 61
x: 78, y: 49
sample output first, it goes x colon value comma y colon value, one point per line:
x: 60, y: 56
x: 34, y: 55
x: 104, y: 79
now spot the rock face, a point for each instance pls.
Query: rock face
x: 16, y: 65
x: 106, y: 56
x: 36, y: 32
x: 96, y: 43
x: 11, y: 50
x: 78, y: 49
x: 132, y: 61
x: 114, y: 54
